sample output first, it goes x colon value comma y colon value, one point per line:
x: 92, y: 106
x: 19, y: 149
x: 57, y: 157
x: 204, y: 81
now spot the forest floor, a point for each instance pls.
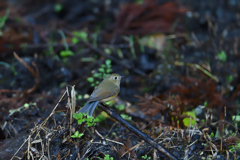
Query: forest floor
x: 181, y: 86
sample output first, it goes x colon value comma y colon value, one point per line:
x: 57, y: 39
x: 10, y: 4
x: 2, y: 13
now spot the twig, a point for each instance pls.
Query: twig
x: 38, y: 127
x: 34, y: 73
x: 107, y: 139
x: 140, y: 134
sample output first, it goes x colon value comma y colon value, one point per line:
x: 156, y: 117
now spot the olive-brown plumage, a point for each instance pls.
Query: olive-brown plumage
x: 107, y: 90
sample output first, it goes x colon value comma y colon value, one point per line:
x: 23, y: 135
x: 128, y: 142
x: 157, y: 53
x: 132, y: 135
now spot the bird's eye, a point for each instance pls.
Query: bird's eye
x: 115, y: 77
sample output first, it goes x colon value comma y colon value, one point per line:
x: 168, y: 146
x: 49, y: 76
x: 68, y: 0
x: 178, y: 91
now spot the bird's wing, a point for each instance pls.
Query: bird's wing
x: 98, y: 95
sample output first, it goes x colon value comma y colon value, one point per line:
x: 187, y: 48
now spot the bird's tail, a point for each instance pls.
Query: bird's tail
x: 89, y: 108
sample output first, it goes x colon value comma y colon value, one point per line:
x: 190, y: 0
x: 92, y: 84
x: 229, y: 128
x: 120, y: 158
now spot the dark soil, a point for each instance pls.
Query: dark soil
x: 176, y: 57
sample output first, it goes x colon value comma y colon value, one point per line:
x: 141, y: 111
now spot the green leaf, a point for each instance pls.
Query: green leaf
x: 109, y: 70
x: 120, y: 107
x: 80, y: 121
x: 108, y: 62
x: 81, y: 34
x: 66, y: 53
x: 126, y: 117
x: 77, y: 135
x: 103, y: 66
x: 211, y: 135
x: 26, y: 105
x: 97, y: 75
x: 89, y: 124
x: 120, y: 54
x: 96, y: 120
x: 89, y: 118
x: 110, y: 103
x: 107, y: 50
x: 58, y: 7
x: 4, y: 18
x: 205, y: 103
x: 107, y: 157
x: 79, y: 97
x: 222, y: 56
x: 187, y: 121
x: 236, y: 118
x: 90, y: 79
x: 77, y: 115
x: 229, y: 78
x: 101, y: 70
x: 75, y: 40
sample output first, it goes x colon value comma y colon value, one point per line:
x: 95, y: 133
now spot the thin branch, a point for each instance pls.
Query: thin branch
x: 136, y: 131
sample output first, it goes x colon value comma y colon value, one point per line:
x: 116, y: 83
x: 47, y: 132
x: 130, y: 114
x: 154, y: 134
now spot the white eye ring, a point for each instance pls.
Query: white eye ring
x: 115, y: 78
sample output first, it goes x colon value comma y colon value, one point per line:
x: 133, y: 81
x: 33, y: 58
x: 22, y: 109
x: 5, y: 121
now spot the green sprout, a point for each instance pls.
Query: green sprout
x: 131, y: 44
x: 236, y: 119
x: 222, y: 56
x: 77, y: 135
x: 229, y: 78
x: 126, y: 117
x: 107, y: 157
x: 79, y: 34
x: 102, y: 73
x: 189, y: 121
x: 120, y: 107
x: 3, y: 20
x: 58, y: 7
x: 25, y: 106
x: 211, y: 135
x: 146, y: 157
x: 85, y: 118
x: 67, y: 52
x: 234, y: 148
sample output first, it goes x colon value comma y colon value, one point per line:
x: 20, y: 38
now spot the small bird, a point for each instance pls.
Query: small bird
x: 107, y: 90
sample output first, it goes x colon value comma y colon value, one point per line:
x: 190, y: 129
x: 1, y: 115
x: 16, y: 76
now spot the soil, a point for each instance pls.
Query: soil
x: 181, y: 86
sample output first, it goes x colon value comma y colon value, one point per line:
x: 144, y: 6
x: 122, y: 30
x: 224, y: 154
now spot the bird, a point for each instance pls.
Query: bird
x: 107, y: 90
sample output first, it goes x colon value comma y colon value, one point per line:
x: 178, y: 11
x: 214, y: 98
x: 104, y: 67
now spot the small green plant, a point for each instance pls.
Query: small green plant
x: 95, y: 34
x: 58, y: 7
x: 229, y: 78
x: 146, y: 157
x: 3, y: 20
x: 85, y: 118
x: 236, y: 147
x: 189, y: 121
x: 102, y: 73
x: 79, y: 34
x: 236, y: 119
x: 131, y: 44
x: 120, y: 107
x: 205, y: 103
x: 67, y: 52
x: 107, y: 157
x: 50, y: 46
x: 77, y: 135
x: 139, y: 1
x: 211, y: 135
x: 25, y: 106
x: 120, y: 53
x: 126, y: 117
x: 222, y: 56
